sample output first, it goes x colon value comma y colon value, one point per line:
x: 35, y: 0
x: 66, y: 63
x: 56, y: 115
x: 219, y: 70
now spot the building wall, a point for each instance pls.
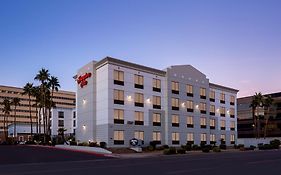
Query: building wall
x: 86, y: 105
x: 104, y: 113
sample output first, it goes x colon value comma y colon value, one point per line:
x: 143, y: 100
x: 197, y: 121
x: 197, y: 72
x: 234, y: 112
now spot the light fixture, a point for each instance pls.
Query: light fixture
x: 218, y: 110
x: 228, y: 112
x: 148, y: 100
x: 84, y: 127
x: 183, y: 104
x: 84, y: 101
x: 197, y: 106
x: 129, y: 98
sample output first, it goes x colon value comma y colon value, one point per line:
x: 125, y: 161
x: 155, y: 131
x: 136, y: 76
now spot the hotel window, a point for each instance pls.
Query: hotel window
x: 203, y: 122
x: 189, y: 106
x: 139, y: 81
x: 74, y: 123
x: 222, y: 111
x: 190, y: 138
x: 232, y: 125
x: 118, y: 116
x: 175, y: 138
x: 212, y: 124
x: 203, y: 93
x: 74, y: 114
x: 222, y: 138
x: 118, y: 137
x: 222, y: 124
x: 139, y: 135
x: 232, y: 100
x: 189, y: 121
x: 175, y: 87
x: 61, y: 114
x: 203, y: 108
x: 175, y: 104
x: 139, y: 100
x: 189, y: 90
x: 139, y: 118
x: 232, y: 139
x: 175, y: 121
x: 222, y: 98
x: 212, y: 110
x: 232, y: 112
x: 156, y: 100
x: 212, y: 138
x: 118, y: 97
x: 156, y: 119
x: 203, y: 138
x: 156, y: 85
x: 60, y: 123
x: 156, y: 137
x: 119, y: 77
x: 212, y: 96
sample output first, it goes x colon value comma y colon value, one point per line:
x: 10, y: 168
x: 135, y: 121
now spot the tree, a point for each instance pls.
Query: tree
x: 6, y: 110
x: 268, y: 102
x: 15, y: 102
x: 54, y: 85
x: 256, y: 104
x: 43, y: 77
x: 36, y: 94
x: 27, y: 90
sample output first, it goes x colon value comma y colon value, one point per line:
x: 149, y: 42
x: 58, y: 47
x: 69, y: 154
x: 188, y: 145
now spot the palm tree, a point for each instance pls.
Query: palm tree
x: 15, y: 102
x: 267, y: 104
x: 36, y: 94
x: 256, y: 104
x: 43, y: 76
x: 6, y: 110
x: 27, y: 90
x: 54, y: 85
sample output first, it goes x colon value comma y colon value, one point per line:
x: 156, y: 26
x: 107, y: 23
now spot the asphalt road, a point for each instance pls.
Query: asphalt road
x: 238, y: 163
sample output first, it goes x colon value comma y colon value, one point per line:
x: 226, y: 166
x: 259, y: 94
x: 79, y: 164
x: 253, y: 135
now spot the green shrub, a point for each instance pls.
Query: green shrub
x: 240, y: 146
x: 171, y: 150
x: 181, y: 151
x: 30, y: 143
x: 83, y: 144
x: 188, y: 147
x: 150, y: 148
x: 223, y: 146
x: 73, y: 143
x: 205, y: 150
x: 195, y: 147
x: 153, y: 144
x: 159, y: 148
x: 216, y: 149
x: 93, y: 144
x: 166, y: 146
x: 275, y: 143
x: 103, y: 144
x: 252, y: 147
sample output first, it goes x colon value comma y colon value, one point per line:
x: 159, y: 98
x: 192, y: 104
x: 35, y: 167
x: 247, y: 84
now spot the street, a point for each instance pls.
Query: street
x: 251, y: 162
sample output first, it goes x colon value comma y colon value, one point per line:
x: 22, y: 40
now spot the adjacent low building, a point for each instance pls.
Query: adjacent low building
x: 119, y: 100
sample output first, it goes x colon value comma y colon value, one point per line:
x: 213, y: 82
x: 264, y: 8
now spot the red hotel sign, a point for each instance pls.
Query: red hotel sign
x: 82, y: 79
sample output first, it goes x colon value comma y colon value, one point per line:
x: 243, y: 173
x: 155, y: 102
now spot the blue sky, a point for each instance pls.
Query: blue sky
x: 235, y: 43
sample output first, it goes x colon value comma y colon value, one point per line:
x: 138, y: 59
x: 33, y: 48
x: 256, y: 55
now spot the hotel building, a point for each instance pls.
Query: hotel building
x: 63, y: 115
x: 119, y: 100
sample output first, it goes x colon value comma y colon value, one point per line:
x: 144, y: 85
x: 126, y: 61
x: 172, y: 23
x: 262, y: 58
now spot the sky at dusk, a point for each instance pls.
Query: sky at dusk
x: 235, y: 43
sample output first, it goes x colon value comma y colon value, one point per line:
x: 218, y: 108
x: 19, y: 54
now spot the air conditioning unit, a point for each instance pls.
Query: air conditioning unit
x: 130, y: 122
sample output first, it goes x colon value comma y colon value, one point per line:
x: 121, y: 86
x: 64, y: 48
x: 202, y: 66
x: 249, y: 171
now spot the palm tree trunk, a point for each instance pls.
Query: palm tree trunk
x: 15, y: 122
x: 40, y: 120
x: 36, y: 117
x: 4, y: 123
x: 31, y: 129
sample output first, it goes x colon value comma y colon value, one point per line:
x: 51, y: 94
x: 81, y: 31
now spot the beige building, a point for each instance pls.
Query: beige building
x: 62, y: 99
